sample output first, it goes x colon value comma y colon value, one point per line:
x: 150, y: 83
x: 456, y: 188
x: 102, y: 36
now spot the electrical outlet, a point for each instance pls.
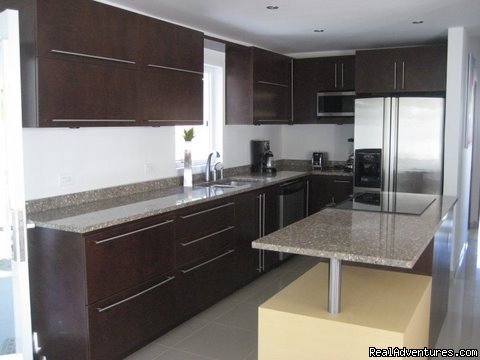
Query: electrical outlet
x: 148, y: 169
x: 65, y: 179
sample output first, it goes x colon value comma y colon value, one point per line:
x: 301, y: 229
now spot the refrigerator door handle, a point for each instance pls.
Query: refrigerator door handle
x: 385, y: 174
x: 394, y: 145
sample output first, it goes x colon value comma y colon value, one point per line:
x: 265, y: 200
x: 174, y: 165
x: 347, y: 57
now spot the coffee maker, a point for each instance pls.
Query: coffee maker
x: 262, y: 157
x: 318, y: 160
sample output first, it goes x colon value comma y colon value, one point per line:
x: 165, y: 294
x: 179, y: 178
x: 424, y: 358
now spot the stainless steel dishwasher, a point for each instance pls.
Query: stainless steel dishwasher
x: 293, y: 204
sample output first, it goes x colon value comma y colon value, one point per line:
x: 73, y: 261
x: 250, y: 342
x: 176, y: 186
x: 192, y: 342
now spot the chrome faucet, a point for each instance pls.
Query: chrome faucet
x: 208, y: 165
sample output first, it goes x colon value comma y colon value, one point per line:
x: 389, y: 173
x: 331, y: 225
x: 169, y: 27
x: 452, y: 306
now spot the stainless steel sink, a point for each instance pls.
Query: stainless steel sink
x: 229, y: 183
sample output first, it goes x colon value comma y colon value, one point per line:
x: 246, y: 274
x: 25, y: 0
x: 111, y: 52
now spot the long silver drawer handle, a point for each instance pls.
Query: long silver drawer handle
x: 272, y: 83
x: 206, y: 211
x: 274, y: 120
x: 342, y: 181
x: 132, y: 232
x: 175, y: 69
x: 170, y: 278
x: 93, y: 120
x: 207, y: 262
x: 208, y: 236
x: 91, y: 56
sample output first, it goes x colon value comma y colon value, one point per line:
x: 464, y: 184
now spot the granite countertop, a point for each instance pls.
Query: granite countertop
x: 101, y: 214
x: 361, y: 236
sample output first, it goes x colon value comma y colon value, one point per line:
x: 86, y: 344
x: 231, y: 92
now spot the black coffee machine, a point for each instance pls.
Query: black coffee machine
x: 262, y: 157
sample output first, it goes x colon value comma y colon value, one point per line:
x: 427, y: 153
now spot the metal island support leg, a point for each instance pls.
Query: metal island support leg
x: 334, y: 285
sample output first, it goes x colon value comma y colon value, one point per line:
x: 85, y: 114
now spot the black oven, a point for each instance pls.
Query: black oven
x: 368, y: 168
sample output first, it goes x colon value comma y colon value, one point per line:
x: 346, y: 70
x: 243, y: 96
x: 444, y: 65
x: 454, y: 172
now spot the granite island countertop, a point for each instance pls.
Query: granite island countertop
x: 361, y: 236
x: 97, y: 215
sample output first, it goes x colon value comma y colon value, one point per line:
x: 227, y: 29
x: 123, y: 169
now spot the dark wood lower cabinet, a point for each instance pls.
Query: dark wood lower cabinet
x: 328, y: 189
x: 124, y: 322
x: 202, y: 284
x: 106, y: 293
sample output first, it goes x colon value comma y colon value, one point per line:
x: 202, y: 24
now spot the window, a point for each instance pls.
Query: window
x: 209, y: 136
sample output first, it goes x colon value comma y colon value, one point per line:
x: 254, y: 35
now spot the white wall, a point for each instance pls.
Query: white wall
x: 299, y: 141
x: 236, y: 142
x: 457, y: 158
x: 94, y: 158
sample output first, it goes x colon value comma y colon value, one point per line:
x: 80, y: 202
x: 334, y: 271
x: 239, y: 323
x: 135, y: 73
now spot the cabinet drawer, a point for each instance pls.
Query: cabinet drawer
x: 205, y: 219
x: 128, y: 255
x: 188, y: 251
x: 202, y: 284
x: 124, y: 322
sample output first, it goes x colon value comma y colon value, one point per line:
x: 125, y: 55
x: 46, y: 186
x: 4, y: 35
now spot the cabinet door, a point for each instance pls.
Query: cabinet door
x: 87, y: 28
x: 320, y: 193
x: 128, y: 320
x: 347, y: 72
x: 204, y: 283
x: 413, y: 69
x: 238, y: 85
x: 271, y: 67
x: 272, y: 218
x: 271, y: 104
x: 376, y: 71
x: 247, y: 225
x: 78, y: 94
x: 171, y: 97
x: 342, y: 187
x: 272, y: 223
x: 305, y: 91
x: 170, y: 45
x: 127, y: 255
x: 423, y: 69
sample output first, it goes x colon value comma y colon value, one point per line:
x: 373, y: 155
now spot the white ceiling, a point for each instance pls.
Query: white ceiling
x: 348, y: 24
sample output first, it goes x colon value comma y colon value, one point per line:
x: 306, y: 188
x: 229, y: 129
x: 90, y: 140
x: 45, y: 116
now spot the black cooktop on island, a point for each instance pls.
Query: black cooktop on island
x: 389, y: 202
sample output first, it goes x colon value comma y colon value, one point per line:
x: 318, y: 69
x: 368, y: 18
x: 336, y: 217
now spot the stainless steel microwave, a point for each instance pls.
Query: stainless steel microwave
x: 335, y: 103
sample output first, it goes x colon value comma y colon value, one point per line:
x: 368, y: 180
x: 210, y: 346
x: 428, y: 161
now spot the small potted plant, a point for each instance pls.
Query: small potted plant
x: 188, y: 136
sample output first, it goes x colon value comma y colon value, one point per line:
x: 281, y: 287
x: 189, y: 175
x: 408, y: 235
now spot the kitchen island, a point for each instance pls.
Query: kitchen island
x: 390, y: 240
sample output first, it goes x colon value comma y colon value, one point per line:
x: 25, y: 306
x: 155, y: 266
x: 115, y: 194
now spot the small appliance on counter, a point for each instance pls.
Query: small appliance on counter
x: 318, y: 160
x: 262, y: 157
x: 351, y: 158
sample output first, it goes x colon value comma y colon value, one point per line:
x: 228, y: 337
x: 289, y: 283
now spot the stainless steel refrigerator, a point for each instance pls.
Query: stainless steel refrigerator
x: 408, y: 133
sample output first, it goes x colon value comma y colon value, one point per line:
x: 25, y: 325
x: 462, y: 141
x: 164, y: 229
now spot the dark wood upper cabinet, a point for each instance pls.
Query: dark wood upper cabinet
x: 332, y: 73
x: 169, y: 97
x: 74, y: 94
x: 315, y: 75
x: 258, y: 86
x: 87, y: 29
x: 270, y: 67
x: 169, y: 45
x: 401, y: 70
x: 238, y: 85
x: 98, y: 65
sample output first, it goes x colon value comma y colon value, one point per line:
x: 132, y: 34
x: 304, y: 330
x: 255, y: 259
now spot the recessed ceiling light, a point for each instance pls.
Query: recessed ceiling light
x: 272, y: 7
x: 417, y: 22
x: 318, y: 30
